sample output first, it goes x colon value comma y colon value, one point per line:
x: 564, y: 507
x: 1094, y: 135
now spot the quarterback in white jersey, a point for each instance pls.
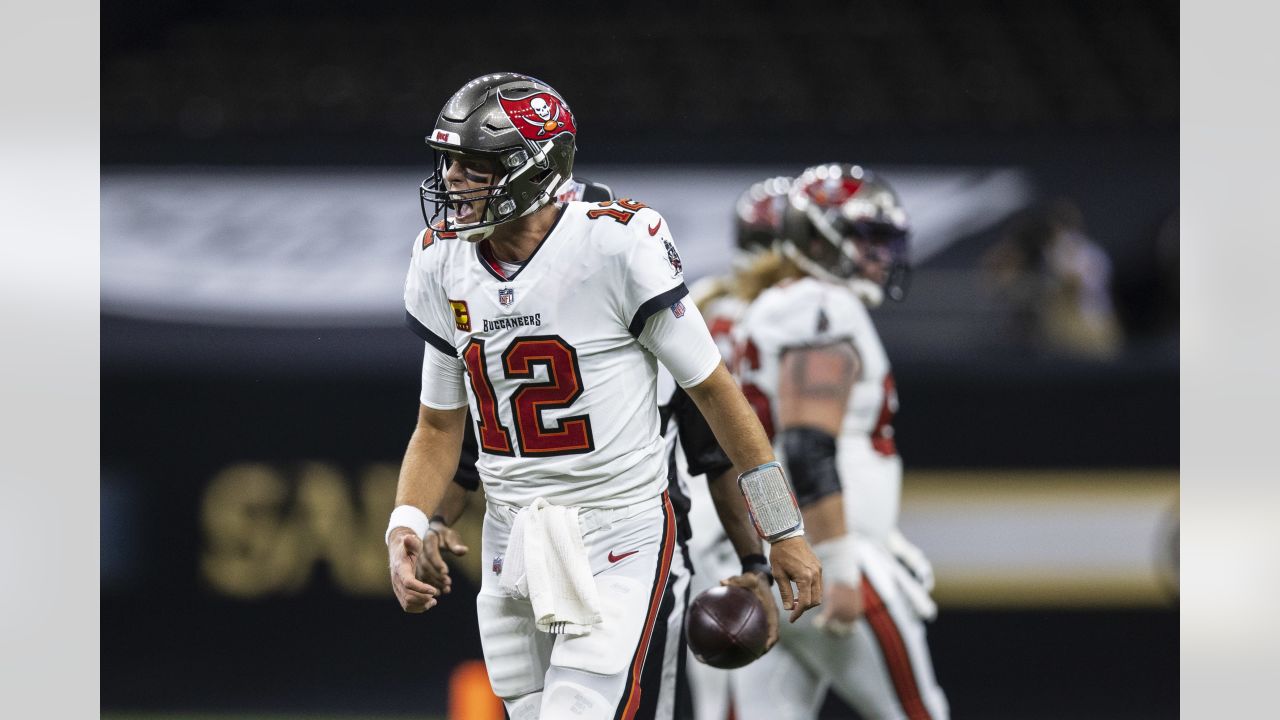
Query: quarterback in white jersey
x: 810, y: 360
x: 572, y: 321
x: 547, y: 320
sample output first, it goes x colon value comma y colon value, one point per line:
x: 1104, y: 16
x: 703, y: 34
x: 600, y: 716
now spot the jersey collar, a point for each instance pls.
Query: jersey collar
x: 486, y: 260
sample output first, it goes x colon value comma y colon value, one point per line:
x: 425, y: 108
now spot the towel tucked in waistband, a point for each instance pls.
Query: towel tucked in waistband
x: 546, y: 561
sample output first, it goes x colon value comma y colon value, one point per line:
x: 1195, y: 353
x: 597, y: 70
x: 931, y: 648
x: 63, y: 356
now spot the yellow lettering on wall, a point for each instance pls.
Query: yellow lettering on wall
x: 241, y: 521
x: 275, y: 531
x: 368, y: 574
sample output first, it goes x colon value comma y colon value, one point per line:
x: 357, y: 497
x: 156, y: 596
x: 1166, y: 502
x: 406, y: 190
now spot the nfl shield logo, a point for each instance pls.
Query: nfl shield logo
x: 506, y: 296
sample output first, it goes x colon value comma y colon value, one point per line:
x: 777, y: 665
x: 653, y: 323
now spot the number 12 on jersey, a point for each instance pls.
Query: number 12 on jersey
x: 568, y: 436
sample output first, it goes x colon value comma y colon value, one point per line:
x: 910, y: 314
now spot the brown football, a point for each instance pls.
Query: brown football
x: 726, y: 627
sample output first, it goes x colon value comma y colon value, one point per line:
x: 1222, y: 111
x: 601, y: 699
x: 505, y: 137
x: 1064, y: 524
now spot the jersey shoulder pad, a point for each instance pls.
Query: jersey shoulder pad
x: 804, y: 312
x: 618, y: 226
x: 623, y: 212
x: 596, y: 192
x: 585, y: 190
x: 434, y: 249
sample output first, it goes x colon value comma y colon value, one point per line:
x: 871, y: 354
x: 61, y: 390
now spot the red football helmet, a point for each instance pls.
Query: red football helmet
x: 758, y: 215
x: 845, y: 224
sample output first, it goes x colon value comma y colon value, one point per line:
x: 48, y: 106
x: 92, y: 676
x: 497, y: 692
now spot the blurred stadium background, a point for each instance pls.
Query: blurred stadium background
x: 259, y: 170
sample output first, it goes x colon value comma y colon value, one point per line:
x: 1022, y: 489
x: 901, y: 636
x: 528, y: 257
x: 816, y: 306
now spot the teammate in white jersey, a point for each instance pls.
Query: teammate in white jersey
x: 722, y: 300
x: 548, y: 320
x: 810, y: 360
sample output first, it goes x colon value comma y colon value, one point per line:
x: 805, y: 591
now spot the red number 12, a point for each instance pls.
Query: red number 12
x: 568, y: 436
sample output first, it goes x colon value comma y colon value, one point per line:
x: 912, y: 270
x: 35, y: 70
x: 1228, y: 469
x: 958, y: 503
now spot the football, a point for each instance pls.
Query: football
x: 727, y: 627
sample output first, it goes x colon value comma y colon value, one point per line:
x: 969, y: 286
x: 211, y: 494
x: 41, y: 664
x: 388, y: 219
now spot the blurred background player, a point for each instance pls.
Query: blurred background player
x: 810, y: 359
x: 757, y: 219
x: 722, y: 300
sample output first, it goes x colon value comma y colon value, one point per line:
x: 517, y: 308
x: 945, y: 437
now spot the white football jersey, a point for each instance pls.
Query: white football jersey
x: 810, y: 312
x: 562, y: 394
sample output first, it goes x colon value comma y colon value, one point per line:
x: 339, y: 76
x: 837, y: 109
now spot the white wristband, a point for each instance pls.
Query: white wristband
x: 839, y: 557
x: 410, y: 517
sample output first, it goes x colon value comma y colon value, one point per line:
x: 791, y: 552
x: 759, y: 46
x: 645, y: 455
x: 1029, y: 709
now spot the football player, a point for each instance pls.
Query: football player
x: 547, y: 319
x: 810, y: 360
x: 434, y: 571
x: 722, y: 300
x: 692, y: 451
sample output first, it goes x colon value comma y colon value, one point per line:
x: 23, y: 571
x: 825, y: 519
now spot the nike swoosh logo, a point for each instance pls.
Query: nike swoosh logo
x: 654, y: 230
x: 615, y: 558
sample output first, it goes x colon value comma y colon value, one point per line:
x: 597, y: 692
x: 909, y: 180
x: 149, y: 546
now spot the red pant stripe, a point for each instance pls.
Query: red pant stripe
x: 895, y: 654
x: 631, y: 698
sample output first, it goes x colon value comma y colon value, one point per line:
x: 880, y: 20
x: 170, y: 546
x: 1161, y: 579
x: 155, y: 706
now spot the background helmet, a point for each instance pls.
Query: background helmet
x: 519, y: 124
x: 758, y: 216
x: 832, y: 207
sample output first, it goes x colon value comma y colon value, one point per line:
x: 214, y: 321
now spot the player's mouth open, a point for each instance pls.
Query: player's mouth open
x: 463, y: 211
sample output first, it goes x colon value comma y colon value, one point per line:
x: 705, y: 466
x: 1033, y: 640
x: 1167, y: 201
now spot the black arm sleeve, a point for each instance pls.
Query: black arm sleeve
x: 811, y: 463
x: 701, y: 449
x: 466, y: 476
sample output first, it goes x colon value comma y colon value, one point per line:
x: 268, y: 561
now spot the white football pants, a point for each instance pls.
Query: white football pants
x: 882, y: 669
x: 627, y: 666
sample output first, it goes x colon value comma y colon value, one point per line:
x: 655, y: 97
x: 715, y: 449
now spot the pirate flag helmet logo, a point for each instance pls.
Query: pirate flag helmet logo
x: 539, y: 116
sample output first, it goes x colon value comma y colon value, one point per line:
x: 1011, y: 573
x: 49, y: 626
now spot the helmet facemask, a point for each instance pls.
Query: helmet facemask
x: 521, y: 131
x: 881, y: 259
x: 471, y: 212
x: 851, y: 231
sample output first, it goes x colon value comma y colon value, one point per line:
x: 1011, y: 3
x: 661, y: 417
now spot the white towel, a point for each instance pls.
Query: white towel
x: 546, y: 561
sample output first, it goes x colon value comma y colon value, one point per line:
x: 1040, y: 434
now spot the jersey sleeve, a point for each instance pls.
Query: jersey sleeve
x: 443, y: 386
x: 426, y: 307
x: 679, y: 338
x: 653, y: 274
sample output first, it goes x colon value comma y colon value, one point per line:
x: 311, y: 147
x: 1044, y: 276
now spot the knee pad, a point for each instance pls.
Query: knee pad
x: 565, y: 699
x: 514, y: 653
x: 525, y: 707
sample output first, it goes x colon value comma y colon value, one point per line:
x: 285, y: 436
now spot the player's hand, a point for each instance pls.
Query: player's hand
x: 414, y: 595
x: 843, y: 608
x: 793, y: 560
x: 431, y: 566
x: 757, y: 583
